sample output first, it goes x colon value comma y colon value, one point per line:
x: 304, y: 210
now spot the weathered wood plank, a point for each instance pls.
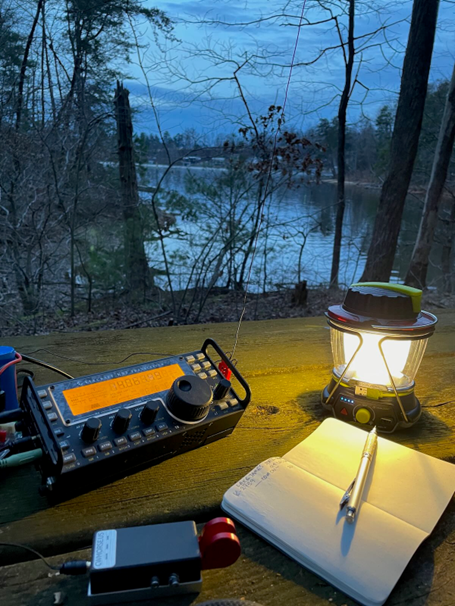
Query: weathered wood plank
x: 287, y: 363
x: 262, y: 574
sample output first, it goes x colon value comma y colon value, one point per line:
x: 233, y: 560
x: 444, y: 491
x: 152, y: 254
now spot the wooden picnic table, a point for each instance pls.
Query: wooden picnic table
x: 287, y: 363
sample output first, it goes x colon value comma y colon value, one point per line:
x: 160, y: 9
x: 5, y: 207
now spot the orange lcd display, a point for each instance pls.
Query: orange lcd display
x: 89, y: 398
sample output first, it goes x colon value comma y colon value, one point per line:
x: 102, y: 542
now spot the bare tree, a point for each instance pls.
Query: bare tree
x: 448, y: 246
x: 135, y: 259
x: 349, y: 63
x: 60, y: 58
x: 405, y: 138
x: 336, y: 18
x: 417, y: 272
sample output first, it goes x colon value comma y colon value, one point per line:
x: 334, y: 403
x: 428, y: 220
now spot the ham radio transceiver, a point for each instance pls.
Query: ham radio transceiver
x: 101, y: 427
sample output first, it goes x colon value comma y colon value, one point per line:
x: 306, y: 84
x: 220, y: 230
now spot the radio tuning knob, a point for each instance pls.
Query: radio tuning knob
x: 121, y: 420
x: 91, y: 430
x: 149, y: 412
x: 222, y: 389
x: 189, y: 398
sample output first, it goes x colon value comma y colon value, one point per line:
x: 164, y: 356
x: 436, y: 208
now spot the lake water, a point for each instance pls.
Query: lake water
x: 293, y: 217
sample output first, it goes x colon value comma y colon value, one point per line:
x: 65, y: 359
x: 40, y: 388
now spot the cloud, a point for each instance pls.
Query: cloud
x: 314, y: 89
x: 223, y: 12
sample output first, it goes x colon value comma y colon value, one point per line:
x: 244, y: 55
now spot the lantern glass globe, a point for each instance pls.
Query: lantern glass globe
x: 367, y: 364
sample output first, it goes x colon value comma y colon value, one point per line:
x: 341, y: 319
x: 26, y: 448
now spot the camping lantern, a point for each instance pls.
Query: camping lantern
x: 378, y: 335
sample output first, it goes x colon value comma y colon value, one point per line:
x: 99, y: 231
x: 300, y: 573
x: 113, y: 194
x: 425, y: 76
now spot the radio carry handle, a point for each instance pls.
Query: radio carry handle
x: 210, y: 342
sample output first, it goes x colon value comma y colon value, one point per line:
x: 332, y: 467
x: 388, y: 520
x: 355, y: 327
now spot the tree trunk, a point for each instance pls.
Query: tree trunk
x: 447, y: 250
x: 24, y: 275
x: 405, y: 138
x: 136, y: 266
x: 20, y: 88
x: 341, y: 149
x: 417, y: 272
x: 27, y: 292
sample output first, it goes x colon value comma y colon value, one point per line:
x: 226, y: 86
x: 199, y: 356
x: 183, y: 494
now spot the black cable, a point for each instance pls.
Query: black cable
x: 21, y: 444
x: 54, y: 568
x: 73, y: 567
x: 21, y: 373
x: 8, y: 416
x: 137, y: 353
x: 26, y: 358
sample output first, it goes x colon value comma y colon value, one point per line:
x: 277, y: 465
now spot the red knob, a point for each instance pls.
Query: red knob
x: 218, y: 543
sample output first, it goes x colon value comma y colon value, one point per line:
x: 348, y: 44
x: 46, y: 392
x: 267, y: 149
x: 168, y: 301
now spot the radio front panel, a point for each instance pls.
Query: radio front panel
x: 103, y: 425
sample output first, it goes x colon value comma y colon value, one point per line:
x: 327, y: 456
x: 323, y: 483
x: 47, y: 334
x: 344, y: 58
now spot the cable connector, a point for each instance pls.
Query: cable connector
x: 225, y: 370
x: 9, y: 429
x: 22, y: 458
x: 26, y: 443
x: 75, y: 567
x: 11, y: 415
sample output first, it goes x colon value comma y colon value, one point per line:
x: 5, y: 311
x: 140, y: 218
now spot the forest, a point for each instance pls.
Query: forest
x: 107, y: 224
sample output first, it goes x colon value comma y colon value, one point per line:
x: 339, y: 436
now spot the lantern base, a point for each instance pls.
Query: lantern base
x: 384, y: 412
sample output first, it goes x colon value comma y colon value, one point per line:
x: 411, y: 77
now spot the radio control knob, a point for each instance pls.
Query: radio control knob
x: 149, y: 412
x: 91, y: 430
x: 189, y: 398
x: 222, y: 389
x: 121, y: 420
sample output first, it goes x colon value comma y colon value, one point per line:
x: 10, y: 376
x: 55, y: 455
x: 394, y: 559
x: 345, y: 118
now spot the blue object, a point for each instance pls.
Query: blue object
x: 8, y: 378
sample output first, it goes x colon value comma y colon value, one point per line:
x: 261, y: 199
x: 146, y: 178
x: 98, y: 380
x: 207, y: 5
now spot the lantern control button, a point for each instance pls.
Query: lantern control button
x: 363, y: 415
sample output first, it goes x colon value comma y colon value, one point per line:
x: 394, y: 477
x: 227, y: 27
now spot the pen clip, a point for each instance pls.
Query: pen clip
x: 345, y: 499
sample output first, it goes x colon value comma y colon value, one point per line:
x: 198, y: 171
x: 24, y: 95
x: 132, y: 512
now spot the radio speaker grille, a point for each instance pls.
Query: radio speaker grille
x: 193, y: 437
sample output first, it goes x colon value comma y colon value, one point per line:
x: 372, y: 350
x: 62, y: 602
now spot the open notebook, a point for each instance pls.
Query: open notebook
x: 293, y: 502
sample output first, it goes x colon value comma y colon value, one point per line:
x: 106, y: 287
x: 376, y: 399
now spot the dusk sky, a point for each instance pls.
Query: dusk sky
x: 191, y: 79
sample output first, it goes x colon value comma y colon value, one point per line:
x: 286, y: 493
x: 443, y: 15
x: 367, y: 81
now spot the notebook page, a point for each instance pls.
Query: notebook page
x: 299, y: 513
x: 403, y: 482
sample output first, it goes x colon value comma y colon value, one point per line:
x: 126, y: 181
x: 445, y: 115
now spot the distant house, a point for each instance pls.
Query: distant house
x: 208, y: 156
x: 189, y: 160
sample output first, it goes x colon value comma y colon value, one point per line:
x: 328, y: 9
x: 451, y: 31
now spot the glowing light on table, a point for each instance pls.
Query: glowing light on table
x: 368, y: 364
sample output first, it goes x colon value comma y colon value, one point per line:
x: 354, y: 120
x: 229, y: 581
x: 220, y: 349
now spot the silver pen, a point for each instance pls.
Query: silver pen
x: 353, y: 494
